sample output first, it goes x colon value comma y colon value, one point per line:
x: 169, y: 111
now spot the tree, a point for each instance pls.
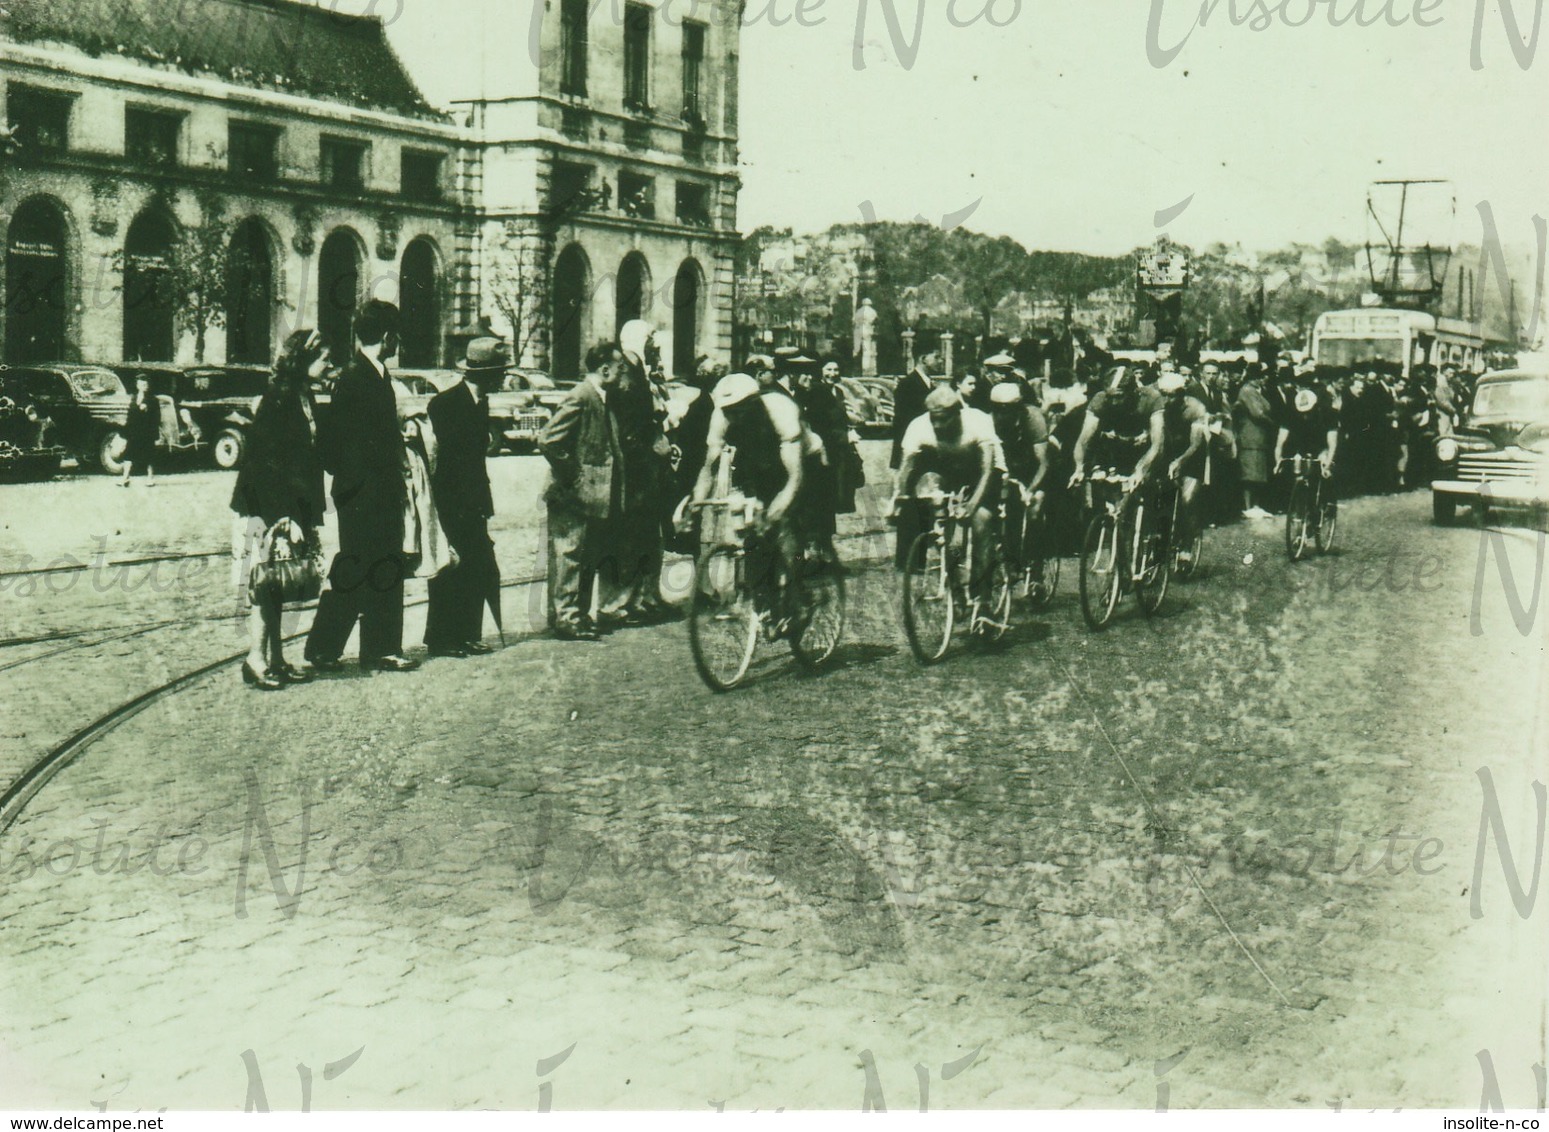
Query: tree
x: 516, y: 282
x: 200, y: 269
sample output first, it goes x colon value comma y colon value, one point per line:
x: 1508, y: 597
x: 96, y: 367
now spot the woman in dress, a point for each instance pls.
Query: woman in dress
x: 141, y: 429
x: 281, y: 478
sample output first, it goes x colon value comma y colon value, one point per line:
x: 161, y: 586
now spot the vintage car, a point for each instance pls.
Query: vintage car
x: 87, y: 405
x: 1497, y: 458
x: 28, y: 451
x: 205, y: 410
x: 520, y: 410
x: 869, y: 402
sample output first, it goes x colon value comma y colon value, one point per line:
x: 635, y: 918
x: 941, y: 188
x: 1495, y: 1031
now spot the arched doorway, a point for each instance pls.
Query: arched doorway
x: 250, y: 296
x: 339, y: 268
x: 572, y: 314
x: 420, y: 302
x: 37, y: 284
x: 149, y: 302
x: 632, y: 291
x: 687, y: 290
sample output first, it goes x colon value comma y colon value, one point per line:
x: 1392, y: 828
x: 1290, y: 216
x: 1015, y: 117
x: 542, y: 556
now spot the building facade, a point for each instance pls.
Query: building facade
x: 195, y: 179
x: 606, y: 176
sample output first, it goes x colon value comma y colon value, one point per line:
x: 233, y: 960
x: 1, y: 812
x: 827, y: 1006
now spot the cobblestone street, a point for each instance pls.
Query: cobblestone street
x: 1226, y: 857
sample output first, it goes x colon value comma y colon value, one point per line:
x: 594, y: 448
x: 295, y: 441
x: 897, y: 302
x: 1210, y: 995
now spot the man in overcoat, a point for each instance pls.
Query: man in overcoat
x: 459, y: 415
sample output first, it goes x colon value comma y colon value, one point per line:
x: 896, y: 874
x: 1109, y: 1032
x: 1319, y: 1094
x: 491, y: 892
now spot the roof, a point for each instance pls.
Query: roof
x: 268, y: 44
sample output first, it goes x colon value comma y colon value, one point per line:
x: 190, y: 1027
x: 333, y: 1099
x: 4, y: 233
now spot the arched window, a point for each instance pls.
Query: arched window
x: 419, y: 298
x: 687, y: 317
x: 340, y: 266
x: 572, y: 312
x: 632, y: 290
x: 250, y: 296
x: 150, y: 307
x: 37, y: 283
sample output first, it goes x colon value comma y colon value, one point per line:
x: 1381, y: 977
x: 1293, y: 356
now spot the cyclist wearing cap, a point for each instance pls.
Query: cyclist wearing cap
x: 1309, y: 426
x: 1126, y: 424
x: 1186, y: 431
x: 960, y: 446
x: 763, y: 426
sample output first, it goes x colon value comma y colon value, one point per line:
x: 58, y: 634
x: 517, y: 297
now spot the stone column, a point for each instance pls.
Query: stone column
x: 908, y: 350
x: 946, y: 352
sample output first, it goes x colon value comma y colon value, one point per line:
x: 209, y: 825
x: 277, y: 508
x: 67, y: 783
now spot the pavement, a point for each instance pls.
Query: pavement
x: 1227, y: 857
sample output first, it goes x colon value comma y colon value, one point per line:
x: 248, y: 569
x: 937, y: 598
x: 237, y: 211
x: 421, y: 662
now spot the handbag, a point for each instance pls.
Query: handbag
x: 289, y: 566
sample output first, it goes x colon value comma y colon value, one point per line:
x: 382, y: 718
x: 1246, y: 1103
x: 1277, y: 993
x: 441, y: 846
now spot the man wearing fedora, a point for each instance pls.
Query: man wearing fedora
x: 454, y: 622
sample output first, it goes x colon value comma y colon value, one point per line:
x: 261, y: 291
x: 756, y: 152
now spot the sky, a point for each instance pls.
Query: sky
x: 1062, y: 131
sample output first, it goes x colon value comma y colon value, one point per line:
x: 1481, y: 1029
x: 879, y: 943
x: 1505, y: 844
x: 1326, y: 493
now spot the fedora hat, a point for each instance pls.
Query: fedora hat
x: 486, y: 355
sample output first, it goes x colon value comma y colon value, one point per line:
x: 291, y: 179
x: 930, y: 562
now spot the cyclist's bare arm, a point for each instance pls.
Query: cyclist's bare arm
x: 1089, y: 429
x: 1199, y: 434
x: 790, y: 459
x: 986, y: 472
x: 903, y: 487
x: 1280, y: 439
x: 1331, y: 445
x: 1041, y: 454
x: 1154, y: 449
x: 715, y: 444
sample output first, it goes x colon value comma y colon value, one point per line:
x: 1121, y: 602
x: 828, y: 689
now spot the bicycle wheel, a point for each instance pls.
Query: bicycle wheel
x: 1329, y: 521
x: 929, y: 615
x: 1100, y: 583
x: 1151, y: 584
x: 820, y: 625
x: 995, y: 615
x: 723, y: 625
x: 1184, y: 565
x: 1298, y: 520
x: 1043, y: 575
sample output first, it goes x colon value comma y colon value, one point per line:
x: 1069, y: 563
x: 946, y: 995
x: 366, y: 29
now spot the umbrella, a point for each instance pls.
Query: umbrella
x: 492, y: 594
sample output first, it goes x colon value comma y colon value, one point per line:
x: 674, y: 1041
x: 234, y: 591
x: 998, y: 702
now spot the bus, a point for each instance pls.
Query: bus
x: 1395, y: 337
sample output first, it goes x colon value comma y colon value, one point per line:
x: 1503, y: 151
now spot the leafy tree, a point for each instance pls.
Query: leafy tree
x: 199, y: 270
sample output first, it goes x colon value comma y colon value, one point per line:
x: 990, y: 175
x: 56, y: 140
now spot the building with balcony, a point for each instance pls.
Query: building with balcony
x: 606, y: 177
x: 201, y: 178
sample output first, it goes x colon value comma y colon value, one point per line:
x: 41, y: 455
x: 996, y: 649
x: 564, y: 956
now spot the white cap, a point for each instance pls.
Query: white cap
x: 733, y: 389
x: 1006, y: 393
x: 1170, y: 382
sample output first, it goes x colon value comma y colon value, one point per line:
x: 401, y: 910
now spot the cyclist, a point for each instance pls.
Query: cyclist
x: 773, y: 451
x: 960, y: 446
x: 1023, y: 432
x: 1186, y: 429
x: 1126, y: 423
x: 1309, y: 426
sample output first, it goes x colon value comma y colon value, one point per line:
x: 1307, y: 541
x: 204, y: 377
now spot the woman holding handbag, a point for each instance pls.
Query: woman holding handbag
x: 279, y: 504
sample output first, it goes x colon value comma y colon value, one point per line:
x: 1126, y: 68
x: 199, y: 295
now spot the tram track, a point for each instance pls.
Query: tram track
x: 31, y: 782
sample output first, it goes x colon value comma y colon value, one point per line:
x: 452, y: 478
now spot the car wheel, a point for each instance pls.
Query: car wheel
x: 110, y: 452
x: 496, y: 445
x: 229, y: 448
x: 1444, y: 509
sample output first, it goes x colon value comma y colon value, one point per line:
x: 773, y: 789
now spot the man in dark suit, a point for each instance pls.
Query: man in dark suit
x: 460, y: 417
x: 909, y: 402
x: 363, y: 449
x: 583, y: 446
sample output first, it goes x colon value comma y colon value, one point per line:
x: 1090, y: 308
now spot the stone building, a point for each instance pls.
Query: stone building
x: 606, y: 177
x: 215, y: 173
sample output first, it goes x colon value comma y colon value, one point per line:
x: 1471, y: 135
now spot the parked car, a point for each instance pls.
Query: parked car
x: 219, y: 402
x: 1498, y: 455
x: 869, y: 401
x: 28, y: 449
x: 521, y: 410
x: 87, y: 405
x: 205, y: 410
